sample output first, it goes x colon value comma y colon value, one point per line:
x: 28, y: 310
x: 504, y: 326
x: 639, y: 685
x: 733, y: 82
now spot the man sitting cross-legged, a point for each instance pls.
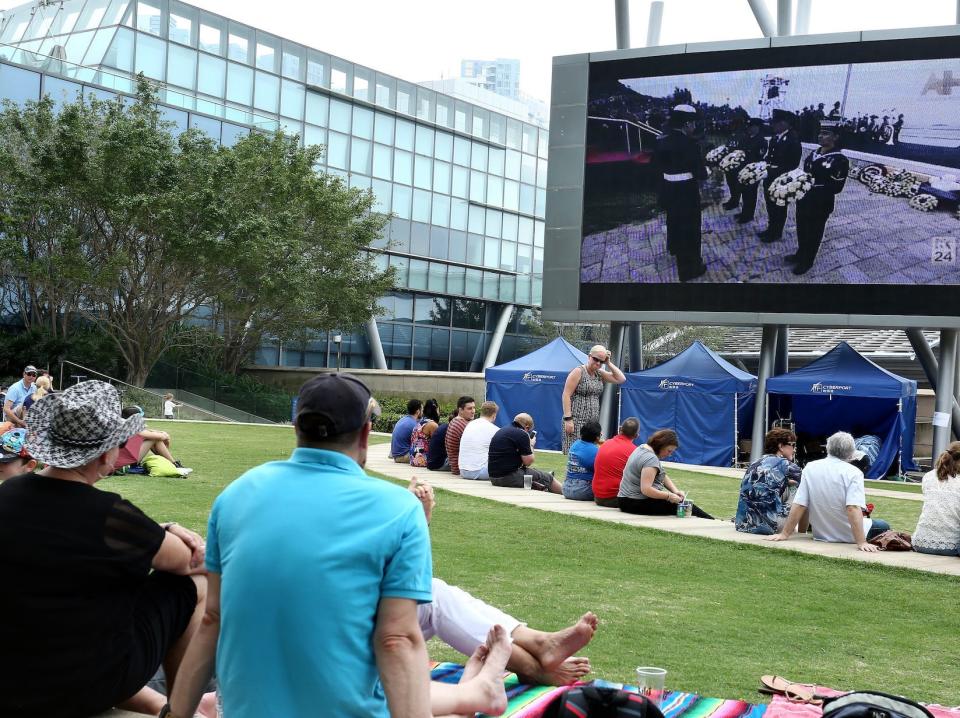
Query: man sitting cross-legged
x: 462, y: 621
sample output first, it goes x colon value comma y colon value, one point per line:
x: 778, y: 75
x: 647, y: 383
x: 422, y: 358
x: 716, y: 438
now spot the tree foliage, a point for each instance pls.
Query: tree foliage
x: 106, y: 215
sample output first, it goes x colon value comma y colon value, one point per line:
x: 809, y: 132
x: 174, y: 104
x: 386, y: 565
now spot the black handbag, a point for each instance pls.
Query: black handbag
x: 601, y: 702
x: 872, y: 704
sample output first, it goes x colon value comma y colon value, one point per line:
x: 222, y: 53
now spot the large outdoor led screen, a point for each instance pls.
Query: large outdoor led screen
x: 820, y: 179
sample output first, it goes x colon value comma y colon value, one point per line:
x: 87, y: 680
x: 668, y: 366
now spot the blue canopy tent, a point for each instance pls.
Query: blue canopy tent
x: 844, y: 391
x: 534, y: 384
x: 698, y: 394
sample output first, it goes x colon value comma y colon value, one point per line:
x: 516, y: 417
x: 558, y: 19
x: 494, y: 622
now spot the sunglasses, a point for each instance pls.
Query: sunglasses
x: 792, y: 443
x: 598, y: 360
x: 30, y: 373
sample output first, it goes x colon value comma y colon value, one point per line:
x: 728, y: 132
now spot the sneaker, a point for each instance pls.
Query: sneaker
x: 176, y: 462
x: 184, y: 472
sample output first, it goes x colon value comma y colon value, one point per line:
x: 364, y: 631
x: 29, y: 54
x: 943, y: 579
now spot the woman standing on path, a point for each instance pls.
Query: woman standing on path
x: 582, y: 390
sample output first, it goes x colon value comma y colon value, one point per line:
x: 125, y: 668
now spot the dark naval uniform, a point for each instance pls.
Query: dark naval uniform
x: 681, y: 168
x: 755, y: 148
x: 733, y: 184
x: 783, y: 154
x: 829, y: 172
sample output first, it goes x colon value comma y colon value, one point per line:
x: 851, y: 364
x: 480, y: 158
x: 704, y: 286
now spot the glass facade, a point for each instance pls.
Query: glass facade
x: 465, y: 186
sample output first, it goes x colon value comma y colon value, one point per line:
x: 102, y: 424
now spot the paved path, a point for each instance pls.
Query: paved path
x: 870, y: 239
x: 379, y: 461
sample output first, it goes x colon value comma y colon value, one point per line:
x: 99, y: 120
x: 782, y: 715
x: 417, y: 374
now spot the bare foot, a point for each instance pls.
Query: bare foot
x: 552, y: 649
x: 489, y: 680
x: 569, y: 671
x: 208, y: 705
x: 474, y: 663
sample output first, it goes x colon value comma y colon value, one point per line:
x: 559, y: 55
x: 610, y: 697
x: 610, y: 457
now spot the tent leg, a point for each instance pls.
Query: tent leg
x: 610, y: 400
x: 928, y: 363
x: 944, y: 399
x: 768, y: 347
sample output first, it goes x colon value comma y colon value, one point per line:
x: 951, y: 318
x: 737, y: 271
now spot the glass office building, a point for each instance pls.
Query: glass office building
x: 465, y: 185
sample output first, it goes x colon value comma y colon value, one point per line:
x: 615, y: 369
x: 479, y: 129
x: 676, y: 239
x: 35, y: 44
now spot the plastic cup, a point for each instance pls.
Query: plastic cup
x: 528, y: 481
x: 686, y: 507
x: 650, y: 682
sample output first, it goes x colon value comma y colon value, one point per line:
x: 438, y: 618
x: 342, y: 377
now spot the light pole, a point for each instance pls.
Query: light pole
x: 337, y: 339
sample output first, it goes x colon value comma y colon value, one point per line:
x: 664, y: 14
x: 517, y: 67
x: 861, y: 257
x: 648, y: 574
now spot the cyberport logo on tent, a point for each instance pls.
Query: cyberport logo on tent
x: 821, y: 388
x: 670, y: 384
x: 533, y: 378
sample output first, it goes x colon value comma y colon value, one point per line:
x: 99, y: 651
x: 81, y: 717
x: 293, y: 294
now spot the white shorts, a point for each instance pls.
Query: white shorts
x: 459, y: 619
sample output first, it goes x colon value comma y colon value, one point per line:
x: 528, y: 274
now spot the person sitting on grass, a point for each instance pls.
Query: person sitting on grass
x: 403, y: 432
x: 462, y: 622
x: 104, y: 594
x: 437, y: 449
x: 611, y: 458
x: 475, y: 442
x: 646, y: 488
x: 578, y: 485
x: 41, y: 388
x: 831, y: 497
x: 138, y: 446
x: 938, y: 528
x: 420, y: 442
x: 466, y: 408
x: 14, y: 457
x: 511, y: 456
x: 768, y: 485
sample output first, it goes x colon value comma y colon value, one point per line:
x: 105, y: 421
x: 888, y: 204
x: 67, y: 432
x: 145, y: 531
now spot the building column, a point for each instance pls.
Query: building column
x: 654, y: 23
x: 928, y: 362
x: 622, y: 12
x: 784, y: 17
x: 496, y: 339
x: 768, y: 348
x: 635, y: 346
x: 944, y: 401
x: 376, y: 347
x: 763, y: 17
x: 610, y: 399
x: 781, y: 364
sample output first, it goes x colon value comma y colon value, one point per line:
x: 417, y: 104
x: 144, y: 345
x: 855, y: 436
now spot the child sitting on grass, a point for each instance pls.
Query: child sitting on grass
x: 14, y: 459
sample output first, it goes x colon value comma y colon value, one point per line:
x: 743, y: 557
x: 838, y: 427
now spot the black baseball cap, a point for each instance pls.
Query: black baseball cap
x: 339, y: 401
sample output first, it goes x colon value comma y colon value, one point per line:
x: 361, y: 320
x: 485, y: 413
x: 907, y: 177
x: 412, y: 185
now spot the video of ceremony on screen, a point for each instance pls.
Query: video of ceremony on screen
x: 830, y: 174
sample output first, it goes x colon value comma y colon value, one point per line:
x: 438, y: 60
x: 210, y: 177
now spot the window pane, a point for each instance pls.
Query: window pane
x: 458, y: 214
x: 498, y: 124
x: 337, y: 150
x: 418, y: 274
x: 340, y: 113
x: 19, y: 85
x: 511, y: 195
x: 314, y: 136
x: 494, y: 220
x: 494, y: 191
x: 527, y: 203
x: 477, y: 218
x: 385, y: 91
x: 238, y: 44
x: 423, y: 172
x: 474, y: 249
x: 474, y: 283
x: 529, y: 141
x: 457, y: 247
x: 455, y: 279
x: 438, y: 239
x: 239, y: 83
x: 404, y: 98
x: 340, y: 76
x: 497, y: 158
x: 424, y: 140
x: 508, y: 256
x: 525, y: 230
x: 478, y: 187
x: 405, y: 135
x: 382, y: 162
x: 383, y: 129
x: 360, y: 156
x: 491, y: 253
x: 513, y: 133
x: 211, y: 75
x: 461, y: 151
x: 362, y: 79
x: 267, y: 94
x: 461, y: 182
x: 317, y: 108
x: 291, y: 99
x: 421, y: 206
x: 509, y: 226
x: 444, y: 111
x: 292, y: 63
x: 402, y: 197
x: 212, y: 31
x: 425, y: 100
x: 180, y: 24
x: 362, y: 122
x: 419, y: 236
x: 481, y: 122
x: 437, y: 280
x: 478, y: 159
x: 383, y: 192
x: 402, y: 167
x: 151, y: 55
x: 148, y: 18
x: 60, y: 91
x: 513, y: 165
x: 443, y: 146
x: 267, y: 52
x: 318, y: 65
x: 232, y: 134
x: 441, y: 177
x: 524, y: 258
x: 460, y: 117
x: 440, y: 215
x: 491, y: 285
x: 182, y: 67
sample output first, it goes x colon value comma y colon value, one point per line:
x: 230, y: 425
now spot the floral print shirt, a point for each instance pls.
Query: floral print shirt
x: 762, y: 508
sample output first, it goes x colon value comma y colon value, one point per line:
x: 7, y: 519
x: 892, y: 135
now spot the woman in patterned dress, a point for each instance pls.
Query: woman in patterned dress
x: 938, y: 530
x: 768, y: 486
x: 582, y: 390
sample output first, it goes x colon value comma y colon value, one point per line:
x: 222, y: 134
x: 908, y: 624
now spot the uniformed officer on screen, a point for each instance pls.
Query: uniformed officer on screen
x: 755, y: 147
x: 680, y: 164
x: 829, y: 168
x: 783, y: 154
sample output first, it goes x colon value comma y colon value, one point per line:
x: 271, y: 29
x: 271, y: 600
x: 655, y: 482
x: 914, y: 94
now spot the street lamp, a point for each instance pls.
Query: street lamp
x: 337, y: 339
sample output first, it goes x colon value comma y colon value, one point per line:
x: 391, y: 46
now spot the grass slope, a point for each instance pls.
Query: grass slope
x: 716, y: 615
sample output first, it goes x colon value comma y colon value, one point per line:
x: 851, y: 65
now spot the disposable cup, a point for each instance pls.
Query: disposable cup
x: 687, y: 506
x: 650, y: 682
x: 528, y: 481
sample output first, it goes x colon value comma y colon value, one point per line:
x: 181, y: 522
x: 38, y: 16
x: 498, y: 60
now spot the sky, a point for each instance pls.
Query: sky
x: 421, y: 40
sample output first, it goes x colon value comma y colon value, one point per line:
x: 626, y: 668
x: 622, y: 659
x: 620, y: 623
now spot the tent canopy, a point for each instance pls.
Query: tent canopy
x: 698, y: 394
x: 845, y: 391
x: 534, y: 384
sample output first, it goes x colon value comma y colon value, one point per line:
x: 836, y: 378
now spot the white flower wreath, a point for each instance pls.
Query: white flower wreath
x: 733, y: 161
x: 714, y: 156
x: 854, y: 172
x: 924, y: 202
x: 753, y: 173
x: 790, y: 187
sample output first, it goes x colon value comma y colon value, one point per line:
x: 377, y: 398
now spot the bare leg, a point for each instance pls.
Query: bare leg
x: 481, y: 688
x: 530, y: 670
x: 157, y: 447
x: 552, y: 649
x: 146, y: 700
x: 171, y: 662
x: 556, y: 487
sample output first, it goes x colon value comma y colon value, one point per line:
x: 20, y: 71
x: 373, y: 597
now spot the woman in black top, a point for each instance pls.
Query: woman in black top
x: 96, y: 594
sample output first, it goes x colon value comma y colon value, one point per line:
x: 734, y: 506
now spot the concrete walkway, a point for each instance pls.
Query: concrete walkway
x: 379, y: 461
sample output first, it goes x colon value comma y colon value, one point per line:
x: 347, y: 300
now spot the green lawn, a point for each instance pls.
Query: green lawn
x: 716, y: 615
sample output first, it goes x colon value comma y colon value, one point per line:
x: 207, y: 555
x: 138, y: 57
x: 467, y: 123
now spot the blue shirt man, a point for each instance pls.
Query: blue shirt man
x: 16, y: 395
x: 403, y: 430
x: 307, y: 557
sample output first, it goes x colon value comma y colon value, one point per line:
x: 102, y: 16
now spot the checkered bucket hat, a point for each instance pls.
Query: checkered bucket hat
x: 75, y: 426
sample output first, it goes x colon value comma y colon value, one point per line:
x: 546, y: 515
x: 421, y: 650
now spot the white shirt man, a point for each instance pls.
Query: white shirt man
x: 475, y: 443
x: 831, y: 496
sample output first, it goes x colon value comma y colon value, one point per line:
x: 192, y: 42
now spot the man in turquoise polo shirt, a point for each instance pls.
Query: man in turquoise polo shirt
x: 316, y: 570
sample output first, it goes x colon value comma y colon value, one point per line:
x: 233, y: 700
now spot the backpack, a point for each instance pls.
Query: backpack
x: 872, y: 704
x: 602, y: 702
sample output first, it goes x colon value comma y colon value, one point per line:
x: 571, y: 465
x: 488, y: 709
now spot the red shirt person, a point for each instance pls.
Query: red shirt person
x: 611, y: 458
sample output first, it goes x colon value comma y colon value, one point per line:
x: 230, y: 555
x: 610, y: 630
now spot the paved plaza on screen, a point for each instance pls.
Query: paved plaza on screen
x: 870, y: 239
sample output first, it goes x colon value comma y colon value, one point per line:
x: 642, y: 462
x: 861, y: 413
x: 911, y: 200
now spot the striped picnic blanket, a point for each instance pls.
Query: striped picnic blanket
x: 526, y: 701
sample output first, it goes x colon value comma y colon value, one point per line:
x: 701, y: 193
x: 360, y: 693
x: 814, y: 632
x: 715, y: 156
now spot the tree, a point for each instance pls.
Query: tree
x: 109, y: 217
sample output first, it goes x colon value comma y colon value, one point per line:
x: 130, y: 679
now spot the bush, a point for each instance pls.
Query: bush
x: 85, y: 345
